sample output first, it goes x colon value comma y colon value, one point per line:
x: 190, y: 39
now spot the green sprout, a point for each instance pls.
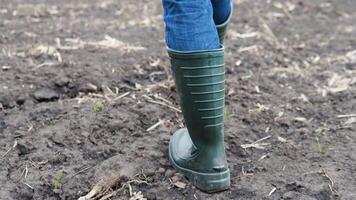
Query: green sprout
x: 322, y: 149
x: 58, y: 180
x: 227, y: 115
x: 98, y: 106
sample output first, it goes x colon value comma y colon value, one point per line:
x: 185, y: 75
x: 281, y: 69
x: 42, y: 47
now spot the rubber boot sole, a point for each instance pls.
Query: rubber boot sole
x: 207, y: 182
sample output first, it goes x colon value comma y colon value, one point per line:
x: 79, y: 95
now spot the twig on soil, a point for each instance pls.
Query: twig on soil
x: 244, y: 173
x: 46, y: 50
x: 155, y: 125
x: 83, y: 170
x: 30, y: 128
x: 272, y: 191
x: 122, y: 96
x: 263, y: 157
x: 262, y: 139
x: 137, y: 196
x: 180, y: 185
x: 253, y: 48
x: 162, y: 99
x: 346, y: 116
x: 108, y: 89
x: 323, y: 173
x: 257, y: 144
x: 28, y: 185
x: 348, y: 122
x: 269, y: 36
x: 246, y: 35
x: 195, y: 197
x: 107, y: 43
x: 284, y: 9
x: 8, y: 151
x: 281, y: 139
x: 96, y: 95
x: 26, y: 172
x: 260, y: 108
x: 331, y: 185
x: 257, y: 88
x: 101, y: 188
x: 45, y: 64
x: 150, y: 100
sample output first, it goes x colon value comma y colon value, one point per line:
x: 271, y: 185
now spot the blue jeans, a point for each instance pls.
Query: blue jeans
x: 190, y: 25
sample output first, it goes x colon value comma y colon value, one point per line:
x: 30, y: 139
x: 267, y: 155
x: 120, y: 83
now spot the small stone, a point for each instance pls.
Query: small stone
x: 179, y: 184
x: 58, y: 159
x: 58, y: 139
x: 164, y: 162
x: 307, y: 197
x: 24, y: 149
x: 21, y: 100
x: 25, y: 193
x: 161, y: 170
x: 151, y: 196
x: 57, y: 191
x: 85, y: 134
x: 2, y: 125
x: 62, y: 81
x: 169, y: 173
x: 45, y: 94
x: 177, y: 177
x: 137, y: 134
x: 6, y: 102
x: 290, y: 195
x: 114, y: 125
x: 88, y: 88
x: 156, y: 154
x: 150, y: 171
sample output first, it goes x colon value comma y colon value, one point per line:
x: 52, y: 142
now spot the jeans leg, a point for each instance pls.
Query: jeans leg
x: 221, y: 10
x: 189, y: 25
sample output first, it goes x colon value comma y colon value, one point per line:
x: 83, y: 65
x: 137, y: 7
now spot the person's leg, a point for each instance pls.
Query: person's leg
x: 221, y: 10
x: 222, y: 13
x: 189, y: 25
x: 197, y: 60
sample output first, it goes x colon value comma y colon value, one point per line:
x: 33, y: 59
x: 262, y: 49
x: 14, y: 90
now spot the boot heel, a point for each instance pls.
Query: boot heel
x: 211, y: 182
x: 208, y: 182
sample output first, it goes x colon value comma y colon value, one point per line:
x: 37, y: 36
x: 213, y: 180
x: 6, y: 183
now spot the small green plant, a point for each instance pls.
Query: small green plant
x: 98, y: 106
x: 227, y: 116
x: 322, y: 149
x: 58, y: 180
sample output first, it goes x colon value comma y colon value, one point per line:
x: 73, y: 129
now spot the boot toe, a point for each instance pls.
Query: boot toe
x: 183, y: 153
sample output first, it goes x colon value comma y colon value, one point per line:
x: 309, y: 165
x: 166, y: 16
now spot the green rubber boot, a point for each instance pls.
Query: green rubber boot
x: 198, y: 151
x: 222, y: 28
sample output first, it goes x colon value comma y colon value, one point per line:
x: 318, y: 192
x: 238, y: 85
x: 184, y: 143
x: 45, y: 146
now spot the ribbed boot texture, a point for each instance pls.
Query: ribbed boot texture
x: 198, y: 151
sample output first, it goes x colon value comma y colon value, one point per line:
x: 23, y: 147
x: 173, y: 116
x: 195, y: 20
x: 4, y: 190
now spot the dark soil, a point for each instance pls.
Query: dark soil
x: 75, y: 108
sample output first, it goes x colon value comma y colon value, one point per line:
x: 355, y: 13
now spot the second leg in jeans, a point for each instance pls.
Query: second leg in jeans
x: 221, y: 10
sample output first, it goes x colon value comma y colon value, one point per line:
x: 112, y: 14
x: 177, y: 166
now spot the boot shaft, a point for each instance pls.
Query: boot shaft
x: 200, y: 82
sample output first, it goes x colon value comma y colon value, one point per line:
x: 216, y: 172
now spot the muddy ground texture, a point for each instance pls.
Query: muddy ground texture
x: 86, y: 93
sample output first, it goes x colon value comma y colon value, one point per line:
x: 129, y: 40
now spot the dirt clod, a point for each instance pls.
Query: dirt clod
x: 169, y: 173
x: 45, y: 94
